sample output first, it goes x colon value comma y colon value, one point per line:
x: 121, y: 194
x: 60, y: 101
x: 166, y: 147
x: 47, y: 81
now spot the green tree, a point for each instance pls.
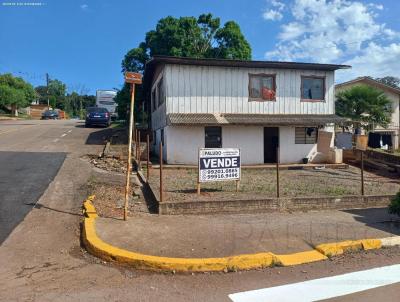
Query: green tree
x: 366, y: 106
x: 200, y: 37
x: 54, y: 93
x: 15, y: 92
x: 189, y: 37
x: 390, y: 81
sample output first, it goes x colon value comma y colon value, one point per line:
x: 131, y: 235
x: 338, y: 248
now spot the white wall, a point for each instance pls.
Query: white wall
x: 249, y: 139
x: 291, y: 152
x: 212, y: 89
x: 182, y: 144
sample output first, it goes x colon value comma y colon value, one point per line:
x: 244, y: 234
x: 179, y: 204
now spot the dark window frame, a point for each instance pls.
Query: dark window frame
x: 160, y: 88
x: 323, y: 78
x: 205, y: 135
x: 262, y: 75
x: 305, y: 142
x: 153, y: 100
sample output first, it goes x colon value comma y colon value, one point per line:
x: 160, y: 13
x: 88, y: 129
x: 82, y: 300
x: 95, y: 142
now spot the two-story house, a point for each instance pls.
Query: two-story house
x: 392, y: 94
x: 251, y: 105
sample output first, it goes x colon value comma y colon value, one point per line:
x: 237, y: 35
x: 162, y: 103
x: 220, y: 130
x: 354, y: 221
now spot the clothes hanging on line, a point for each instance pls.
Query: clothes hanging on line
x: 387, y: 140
x: 374, y: 140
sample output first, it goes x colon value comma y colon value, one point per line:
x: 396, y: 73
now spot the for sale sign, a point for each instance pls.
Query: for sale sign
x: 219, y: 164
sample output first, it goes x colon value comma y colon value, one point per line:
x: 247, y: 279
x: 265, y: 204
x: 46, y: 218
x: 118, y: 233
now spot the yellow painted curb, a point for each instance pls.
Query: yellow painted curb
x: 338, y: 248
x: 105, y: 251
x: 300, y: 258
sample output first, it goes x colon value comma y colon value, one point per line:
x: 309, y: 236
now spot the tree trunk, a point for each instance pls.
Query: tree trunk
x: 14, y: 110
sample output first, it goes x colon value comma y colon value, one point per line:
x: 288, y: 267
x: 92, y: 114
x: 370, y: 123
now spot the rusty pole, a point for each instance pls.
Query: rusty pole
x: 129, y: 165
x: 277, y: 172
x: 148, y: 157
x: 161, y: 171
x: 362, y: 173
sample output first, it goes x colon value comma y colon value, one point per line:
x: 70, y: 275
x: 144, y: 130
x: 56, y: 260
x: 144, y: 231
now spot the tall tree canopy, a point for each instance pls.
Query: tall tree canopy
x: 366, y: 106
x: 189, y: 37
x: 201, y: 37
x: 15, y: 92
x: 390, y: 81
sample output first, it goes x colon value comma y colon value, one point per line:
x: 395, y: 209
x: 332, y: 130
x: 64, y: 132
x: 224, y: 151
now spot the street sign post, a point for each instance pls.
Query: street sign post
x: 131, y: 78
x: 218, y: 164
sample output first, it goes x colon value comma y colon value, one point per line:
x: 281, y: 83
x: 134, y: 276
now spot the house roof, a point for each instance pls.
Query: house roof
x: 371, y: 81
x: 241, y: 63
x: 252, y: 119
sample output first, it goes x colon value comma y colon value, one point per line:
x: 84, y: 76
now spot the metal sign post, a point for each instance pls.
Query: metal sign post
x: 277, y: 173
x: 362, y: 173
x: 161, y: 173
x: 132, y: 79
x: 361, y: 145
x: 148, y: 157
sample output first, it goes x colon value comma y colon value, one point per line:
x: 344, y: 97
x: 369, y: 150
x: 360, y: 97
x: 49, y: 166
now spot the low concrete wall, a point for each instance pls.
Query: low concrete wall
x: 274, y: 204
x: 387, y: 157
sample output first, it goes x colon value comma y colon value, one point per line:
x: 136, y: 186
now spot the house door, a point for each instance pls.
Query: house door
x: 271, y: 142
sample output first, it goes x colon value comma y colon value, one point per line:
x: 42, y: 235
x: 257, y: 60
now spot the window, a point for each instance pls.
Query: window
x: 262, y: 87
x: 213, y: 137
x: 306, y: 135
x: 153, y: 100
x: 161, y: 92
x: 312, y: 88
x: 158, y: 94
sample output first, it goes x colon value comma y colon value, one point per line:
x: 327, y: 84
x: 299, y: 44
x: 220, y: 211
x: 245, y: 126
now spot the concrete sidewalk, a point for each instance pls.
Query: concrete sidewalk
x: 229, y: 234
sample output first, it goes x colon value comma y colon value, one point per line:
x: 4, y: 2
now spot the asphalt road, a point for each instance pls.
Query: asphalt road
x: 24, y: 176
x: 41, y: 259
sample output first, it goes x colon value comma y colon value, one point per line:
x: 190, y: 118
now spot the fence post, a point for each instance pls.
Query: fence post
x: 139, y: 152
x: 277, y: 172
x: 148, y: 157
x: 362, y: 173
x: 161, y: 171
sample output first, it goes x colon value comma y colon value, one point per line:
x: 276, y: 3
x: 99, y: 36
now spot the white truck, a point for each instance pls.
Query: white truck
x: 105, y: 99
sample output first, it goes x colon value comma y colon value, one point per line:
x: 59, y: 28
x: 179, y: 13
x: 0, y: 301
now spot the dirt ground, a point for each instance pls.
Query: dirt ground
x: 109, y: 190
x: 180, y: 184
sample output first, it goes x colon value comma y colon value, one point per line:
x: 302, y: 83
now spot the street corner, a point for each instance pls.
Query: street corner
x: 108, y: 239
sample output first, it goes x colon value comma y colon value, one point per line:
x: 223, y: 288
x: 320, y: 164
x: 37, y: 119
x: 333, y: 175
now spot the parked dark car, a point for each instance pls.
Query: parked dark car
x: 97, y: 116
x: 50, y: 115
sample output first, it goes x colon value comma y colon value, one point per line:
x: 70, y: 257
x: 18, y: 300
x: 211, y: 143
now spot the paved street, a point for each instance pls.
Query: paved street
x: 41, y: 258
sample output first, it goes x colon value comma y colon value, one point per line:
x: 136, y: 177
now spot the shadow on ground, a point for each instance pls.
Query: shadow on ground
x: 377, y: 218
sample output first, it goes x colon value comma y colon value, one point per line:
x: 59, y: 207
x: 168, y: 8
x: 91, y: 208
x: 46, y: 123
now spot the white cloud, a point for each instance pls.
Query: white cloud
x: 274, y: 12
x: 338, y: 31
x: 272, y: 15
x: 84, y: 6
x: 277, y: 4
x: 374, y: 60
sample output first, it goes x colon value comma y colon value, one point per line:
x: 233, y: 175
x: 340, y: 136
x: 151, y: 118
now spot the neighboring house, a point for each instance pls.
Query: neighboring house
x: 392, y: 93
x: 251, y: 105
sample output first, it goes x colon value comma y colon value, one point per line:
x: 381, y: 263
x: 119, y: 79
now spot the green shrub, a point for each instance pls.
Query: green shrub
x: 394, y: 207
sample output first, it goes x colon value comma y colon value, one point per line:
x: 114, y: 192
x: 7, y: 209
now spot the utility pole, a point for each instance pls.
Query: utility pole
x: 47, y: 91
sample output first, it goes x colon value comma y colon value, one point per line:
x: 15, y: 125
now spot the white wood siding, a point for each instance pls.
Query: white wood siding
x: 209, y: 89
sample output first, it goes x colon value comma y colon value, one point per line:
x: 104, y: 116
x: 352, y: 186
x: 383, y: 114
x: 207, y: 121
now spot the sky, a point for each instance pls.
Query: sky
x: 83, y: 42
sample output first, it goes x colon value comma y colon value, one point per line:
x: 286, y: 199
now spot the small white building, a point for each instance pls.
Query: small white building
x: 392, y: 94
x: 251, y: 105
